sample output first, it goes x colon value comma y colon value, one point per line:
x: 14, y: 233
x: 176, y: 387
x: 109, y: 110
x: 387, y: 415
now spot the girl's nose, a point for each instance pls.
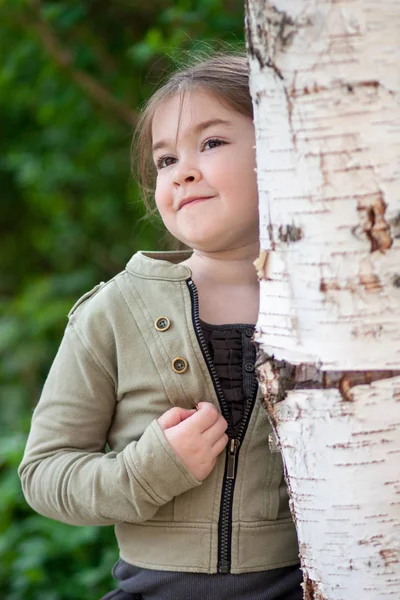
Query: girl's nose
x: 184, y: 175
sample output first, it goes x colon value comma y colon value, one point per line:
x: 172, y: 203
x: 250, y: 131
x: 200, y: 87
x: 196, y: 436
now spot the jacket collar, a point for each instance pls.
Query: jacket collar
x: 160, y: 265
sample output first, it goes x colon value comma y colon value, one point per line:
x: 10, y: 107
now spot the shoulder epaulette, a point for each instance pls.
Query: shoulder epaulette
x: 85, y: 297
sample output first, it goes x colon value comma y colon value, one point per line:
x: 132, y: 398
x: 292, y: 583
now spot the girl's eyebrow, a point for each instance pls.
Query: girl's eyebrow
x: 197, y: 129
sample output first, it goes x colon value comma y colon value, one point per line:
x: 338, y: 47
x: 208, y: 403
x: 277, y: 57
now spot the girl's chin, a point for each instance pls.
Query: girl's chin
x: 213, y: 240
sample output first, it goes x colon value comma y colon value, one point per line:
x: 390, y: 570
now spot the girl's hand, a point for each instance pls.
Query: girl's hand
x: 197, y: 436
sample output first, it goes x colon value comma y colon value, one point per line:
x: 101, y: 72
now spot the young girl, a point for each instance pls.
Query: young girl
x: 157, y: 367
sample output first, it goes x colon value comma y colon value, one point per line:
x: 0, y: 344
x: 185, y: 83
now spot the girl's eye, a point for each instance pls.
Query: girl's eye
x: 164, y: 161
x: 212, y: 143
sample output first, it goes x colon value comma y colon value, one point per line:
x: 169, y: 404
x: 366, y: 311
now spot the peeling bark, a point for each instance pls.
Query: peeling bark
x: 326, y: 91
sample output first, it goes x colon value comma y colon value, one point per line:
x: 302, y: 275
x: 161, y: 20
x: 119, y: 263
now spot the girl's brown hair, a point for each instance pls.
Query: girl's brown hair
x: 224, y: 75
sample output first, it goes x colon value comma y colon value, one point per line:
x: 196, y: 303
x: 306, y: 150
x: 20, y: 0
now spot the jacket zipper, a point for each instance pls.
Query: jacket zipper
x: 232, y: 448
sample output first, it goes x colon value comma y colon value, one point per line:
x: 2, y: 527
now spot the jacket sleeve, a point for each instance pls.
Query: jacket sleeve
x: 66, y: 474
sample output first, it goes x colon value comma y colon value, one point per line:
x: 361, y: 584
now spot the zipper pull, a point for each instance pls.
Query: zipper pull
x: 233, y: 445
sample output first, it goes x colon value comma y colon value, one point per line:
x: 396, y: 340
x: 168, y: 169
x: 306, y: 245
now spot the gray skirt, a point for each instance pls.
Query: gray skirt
x: 136, y: 583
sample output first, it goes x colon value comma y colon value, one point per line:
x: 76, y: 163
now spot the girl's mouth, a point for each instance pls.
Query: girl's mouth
x: 193, y: 200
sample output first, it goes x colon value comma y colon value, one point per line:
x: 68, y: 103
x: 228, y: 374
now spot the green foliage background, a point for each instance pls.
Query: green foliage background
x: 73, y: 75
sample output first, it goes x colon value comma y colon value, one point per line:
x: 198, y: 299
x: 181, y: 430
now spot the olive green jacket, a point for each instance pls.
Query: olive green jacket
x: 115, y: 373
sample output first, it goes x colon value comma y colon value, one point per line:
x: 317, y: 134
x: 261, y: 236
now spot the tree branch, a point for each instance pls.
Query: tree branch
x: 64, y: 58
x: 107, y: 62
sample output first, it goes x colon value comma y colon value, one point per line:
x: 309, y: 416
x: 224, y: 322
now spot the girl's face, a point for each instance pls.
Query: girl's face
x: 206, y: 190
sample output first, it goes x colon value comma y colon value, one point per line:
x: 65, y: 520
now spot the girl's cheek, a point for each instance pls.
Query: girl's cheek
x: 157, y: 197
x: 160, y: 196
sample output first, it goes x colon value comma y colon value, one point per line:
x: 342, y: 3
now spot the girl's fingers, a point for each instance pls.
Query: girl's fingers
x: 174, y: 416
x: 215, y: 432
x: 205, y: 416
x: 220, y: 444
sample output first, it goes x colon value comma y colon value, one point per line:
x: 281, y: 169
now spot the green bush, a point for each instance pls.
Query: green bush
x: 72, y: 76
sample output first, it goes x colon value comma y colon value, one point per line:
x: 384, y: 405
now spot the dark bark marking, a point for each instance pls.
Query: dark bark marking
x: 375, y: 539
x: 373, y: 83
x: 371, y: 283
x: 372, y: 210
x: 396, y: 280
x: 360, y: 84
x: 279, y: 29
x: 258, y: 97
x: 389, y: 556
x: 396, y: 226
x: 286, y: 27
x: 251, y: 46
x: 274, y: 67
x: 253, y: 50
x: 310, y: 589
x: 284, y: 377
x: 326, y: 286
x: 349, y: 87
x: 270, y: 231
x: 289, y: 233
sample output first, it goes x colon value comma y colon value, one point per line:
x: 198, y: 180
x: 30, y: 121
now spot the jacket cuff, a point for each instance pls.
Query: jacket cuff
x: 159, y: 468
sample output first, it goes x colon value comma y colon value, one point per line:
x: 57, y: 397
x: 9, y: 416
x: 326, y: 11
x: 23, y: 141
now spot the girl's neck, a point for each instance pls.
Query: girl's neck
x: 227, y: 285
x: 231, y: 268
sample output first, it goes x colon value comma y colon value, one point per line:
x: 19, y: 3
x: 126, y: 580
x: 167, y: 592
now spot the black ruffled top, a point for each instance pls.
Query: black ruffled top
x: 233, y: 354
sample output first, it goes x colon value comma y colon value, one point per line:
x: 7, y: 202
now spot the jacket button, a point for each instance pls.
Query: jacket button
x: 180, y: 365
x: 162, y: 324
x: 249, y: 332
x: 249, y: 367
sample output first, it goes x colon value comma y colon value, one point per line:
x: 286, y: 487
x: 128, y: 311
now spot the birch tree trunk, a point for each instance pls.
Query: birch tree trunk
x: 325, y: 81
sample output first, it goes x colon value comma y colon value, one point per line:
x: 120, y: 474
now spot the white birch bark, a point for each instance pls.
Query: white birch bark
x: 325, y: 81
